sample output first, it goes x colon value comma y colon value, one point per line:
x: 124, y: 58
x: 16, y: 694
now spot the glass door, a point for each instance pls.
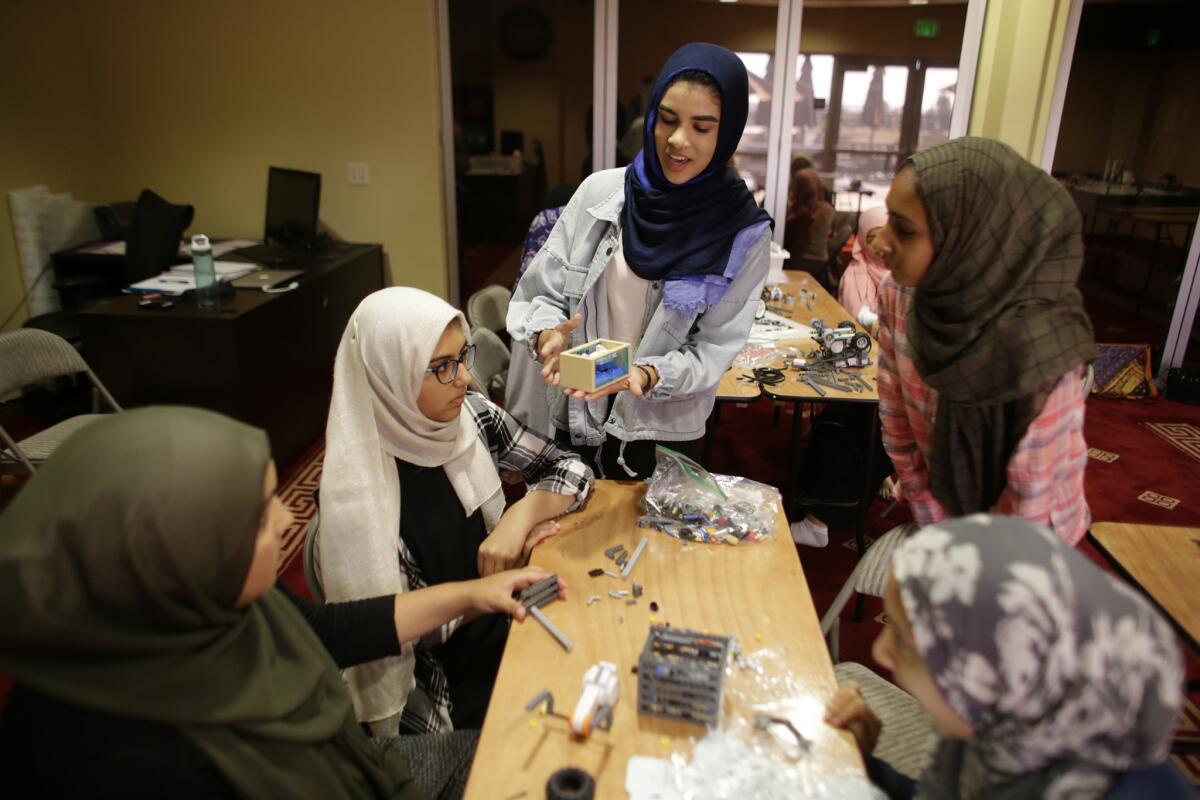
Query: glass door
x: 867, y: 120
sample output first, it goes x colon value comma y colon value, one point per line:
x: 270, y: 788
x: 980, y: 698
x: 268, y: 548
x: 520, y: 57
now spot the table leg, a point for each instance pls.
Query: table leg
x: 1158, y: 229
x: 793, y: 476
x: 865, y: 504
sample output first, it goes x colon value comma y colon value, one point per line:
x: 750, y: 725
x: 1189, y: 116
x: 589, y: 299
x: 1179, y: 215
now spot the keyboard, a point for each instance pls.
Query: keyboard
x: 274, y: 255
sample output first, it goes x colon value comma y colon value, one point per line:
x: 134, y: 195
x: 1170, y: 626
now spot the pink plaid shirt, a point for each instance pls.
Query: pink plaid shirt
x: 1045, y: 472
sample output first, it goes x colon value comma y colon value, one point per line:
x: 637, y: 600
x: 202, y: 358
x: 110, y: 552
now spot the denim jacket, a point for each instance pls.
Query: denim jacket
x: 690, y: 351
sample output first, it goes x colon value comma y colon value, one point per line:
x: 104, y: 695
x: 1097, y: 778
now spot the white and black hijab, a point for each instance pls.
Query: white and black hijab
x: 1068, y: 676
x: 373, y: 420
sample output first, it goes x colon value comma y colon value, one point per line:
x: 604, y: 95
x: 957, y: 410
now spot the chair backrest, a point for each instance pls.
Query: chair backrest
x: 30, y: 355
x: 312, y: 559
x: 491, y: 360
x: 154, y: 234
x: 488, y: 308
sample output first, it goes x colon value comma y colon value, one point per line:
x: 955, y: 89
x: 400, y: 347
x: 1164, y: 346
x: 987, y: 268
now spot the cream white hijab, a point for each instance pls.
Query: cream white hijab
x: 374, y: 419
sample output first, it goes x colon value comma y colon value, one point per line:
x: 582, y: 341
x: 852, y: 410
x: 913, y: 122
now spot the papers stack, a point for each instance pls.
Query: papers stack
x: 181, y: 277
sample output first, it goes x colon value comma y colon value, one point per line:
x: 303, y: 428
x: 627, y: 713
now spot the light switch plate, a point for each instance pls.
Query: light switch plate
x: 357, y: 174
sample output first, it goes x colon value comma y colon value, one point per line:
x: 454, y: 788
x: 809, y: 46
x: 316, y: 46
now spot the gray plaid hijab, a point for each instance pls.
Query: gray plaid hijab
x: 997, y: 320
x: 1067, y: 675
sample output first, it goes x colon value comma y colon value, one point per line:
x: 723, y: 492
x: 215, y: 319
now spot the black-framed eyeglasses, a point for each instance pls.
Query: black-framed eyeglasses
x: 446, y: 371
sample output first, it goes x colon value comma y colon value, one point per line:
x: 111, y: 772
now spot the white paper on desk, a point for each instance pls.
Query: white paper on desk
x: 172, y: 283
x: 650, y: 779
x: 226, y: 270
x: 785, y: 329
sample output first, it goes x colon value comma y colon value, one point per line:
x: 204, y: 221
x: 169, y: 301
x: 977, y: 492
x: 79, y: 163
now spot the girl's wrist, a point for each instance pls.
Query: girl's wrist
x: 650, y: 374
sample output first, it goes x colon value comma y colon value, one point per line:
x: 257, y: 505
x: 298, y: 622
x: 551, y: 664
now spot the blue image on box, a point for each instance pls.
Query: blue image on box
x: 612, y: 367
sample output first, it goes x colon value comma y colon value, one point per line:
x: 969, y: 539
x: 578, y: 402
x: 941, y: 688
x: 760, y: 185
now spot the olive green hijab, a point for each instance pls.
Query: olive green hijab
x: 120, y: 563
x: 997, y: 320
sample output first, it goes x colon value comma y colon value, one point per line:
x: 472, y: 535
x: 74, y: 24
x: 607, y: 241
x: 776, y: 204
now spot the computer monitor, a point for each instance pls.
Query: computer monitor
x: 293, y: 199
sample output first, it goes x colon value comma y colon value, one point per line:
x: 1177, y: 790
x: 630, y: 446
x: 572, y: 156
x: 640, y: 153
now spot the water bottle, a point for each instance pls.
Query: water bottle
x: 206, y: 275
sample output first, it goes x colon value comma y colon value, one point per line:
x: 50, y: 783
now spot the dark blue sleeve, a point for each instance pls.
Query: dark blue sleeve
x: 896, y: 785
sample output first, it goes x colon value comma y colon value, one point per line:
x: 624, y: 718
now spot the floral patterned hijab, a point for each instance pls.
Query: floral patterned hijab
x: 1068, y: 676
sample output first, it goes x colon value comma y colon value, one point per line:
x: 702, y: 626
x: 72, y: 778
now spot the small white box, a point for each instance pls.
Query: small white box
x: 594, y: 365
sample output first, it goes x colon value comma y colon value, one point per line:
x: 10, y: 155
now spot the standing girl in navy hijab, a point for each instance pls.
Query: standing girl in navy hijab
x: 668, y: 254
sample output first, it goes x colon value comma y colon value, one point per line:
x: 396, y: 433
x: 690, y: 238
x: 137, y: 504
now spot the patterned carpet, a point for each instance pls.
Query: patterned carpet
x: 296, y: 491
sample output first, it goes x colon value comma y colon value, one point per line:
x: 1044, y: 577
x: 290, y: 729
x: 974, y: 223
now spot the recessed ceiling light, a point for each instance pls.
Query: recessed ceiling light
x: 918, y: 2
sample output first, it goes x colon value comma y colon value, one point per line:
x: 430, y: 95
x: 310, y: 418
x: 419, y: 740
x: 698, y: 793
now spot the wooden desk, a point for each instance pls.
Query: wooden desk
x: 265, y: 359
x: 1164, y: 562
x: 827, y: 309
x: 754, y: 591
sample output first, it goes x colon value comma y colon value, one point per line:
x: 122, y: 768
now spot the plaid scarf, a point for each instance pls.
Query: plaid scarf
x: 997, y: 320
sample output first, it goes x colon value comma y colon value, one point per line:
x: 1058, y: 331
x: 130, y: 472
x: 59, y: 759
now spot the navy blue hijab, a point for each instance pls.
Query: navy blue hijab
x: 687, y: 230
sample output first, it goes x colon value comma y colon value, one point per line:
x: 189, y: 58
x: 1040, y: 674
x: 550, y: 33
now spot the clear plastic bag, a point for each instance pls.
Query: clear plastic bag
x: 687, y: 502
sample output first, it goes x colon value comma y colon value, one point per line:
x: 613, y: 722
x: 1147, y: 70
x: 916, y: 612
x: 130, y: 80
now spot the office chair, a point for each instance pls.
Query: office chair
x: 154, y: 235
x: 312, y: 559
x: 491, y: 362
x: 28, y: 356
x: 488, y: 308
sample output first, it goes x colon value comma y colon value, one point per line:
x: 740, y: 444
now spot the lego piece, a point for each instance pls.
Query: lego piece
x: 637, y: 553
x: 617, y: 594
x: 637, y: 589
x: 593, y: 599
x: 614, y: 550
x: 537, y: 614
x: 763, y: 721
x: 538, y: 594
x: 595, y: 573
x: 653, y: 606
x: 600, y: 693
x: 681, y: 675
x: 612, y: 574
x: 631, y: 601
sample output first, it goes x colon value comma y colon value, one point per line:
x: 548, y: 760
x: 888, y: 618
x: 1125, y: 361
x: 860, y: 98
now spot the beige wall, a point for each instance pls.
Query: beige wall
x: 1018, y: 67
x: 48, y: 119
x: 199, y: 116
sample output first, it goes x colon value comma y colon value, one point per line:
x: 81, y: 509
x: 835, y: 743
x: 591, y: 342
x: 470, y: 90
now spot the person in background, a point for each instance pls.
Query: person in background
x: 983, y: 338
x: 1043, y: 675
x: 140, y: 615
x: 668, y: 254
x: 858, y: 291
x: 411, y: 497
x: 809, y: 222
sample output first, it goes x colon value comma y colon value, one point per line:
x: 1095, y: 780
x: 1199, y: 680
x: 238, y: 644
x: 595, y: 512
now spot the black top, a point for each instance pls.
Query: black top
x: 115, y: 756
x: 444, y: 543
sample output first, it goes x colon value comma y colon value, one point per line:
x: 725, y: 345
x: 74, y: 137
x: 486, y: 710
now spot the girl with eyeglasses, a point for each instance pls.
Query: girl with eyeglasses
x: 411, y: 497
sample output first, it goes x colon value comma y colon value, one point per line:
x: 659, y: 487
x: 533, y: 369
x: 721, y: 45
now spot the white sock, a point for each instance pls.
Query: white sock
x: 810, y: 532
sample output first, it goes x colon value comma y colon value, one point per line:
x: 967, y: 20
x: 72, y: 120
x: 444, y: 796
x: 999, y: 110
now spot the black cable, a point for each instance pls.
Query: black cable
x: 767, y: 376
x: 28, y: 292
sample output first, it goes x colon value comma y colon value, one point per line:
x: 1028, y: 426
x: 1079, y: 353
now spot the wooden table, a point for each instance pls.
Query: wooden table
x: 1164, y: 562
x: 754, y: 591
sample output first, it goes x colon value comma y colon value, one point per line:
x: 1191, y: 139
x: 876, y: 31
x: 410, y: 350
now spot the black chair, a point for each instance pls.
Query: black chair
x: 154, y: 234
